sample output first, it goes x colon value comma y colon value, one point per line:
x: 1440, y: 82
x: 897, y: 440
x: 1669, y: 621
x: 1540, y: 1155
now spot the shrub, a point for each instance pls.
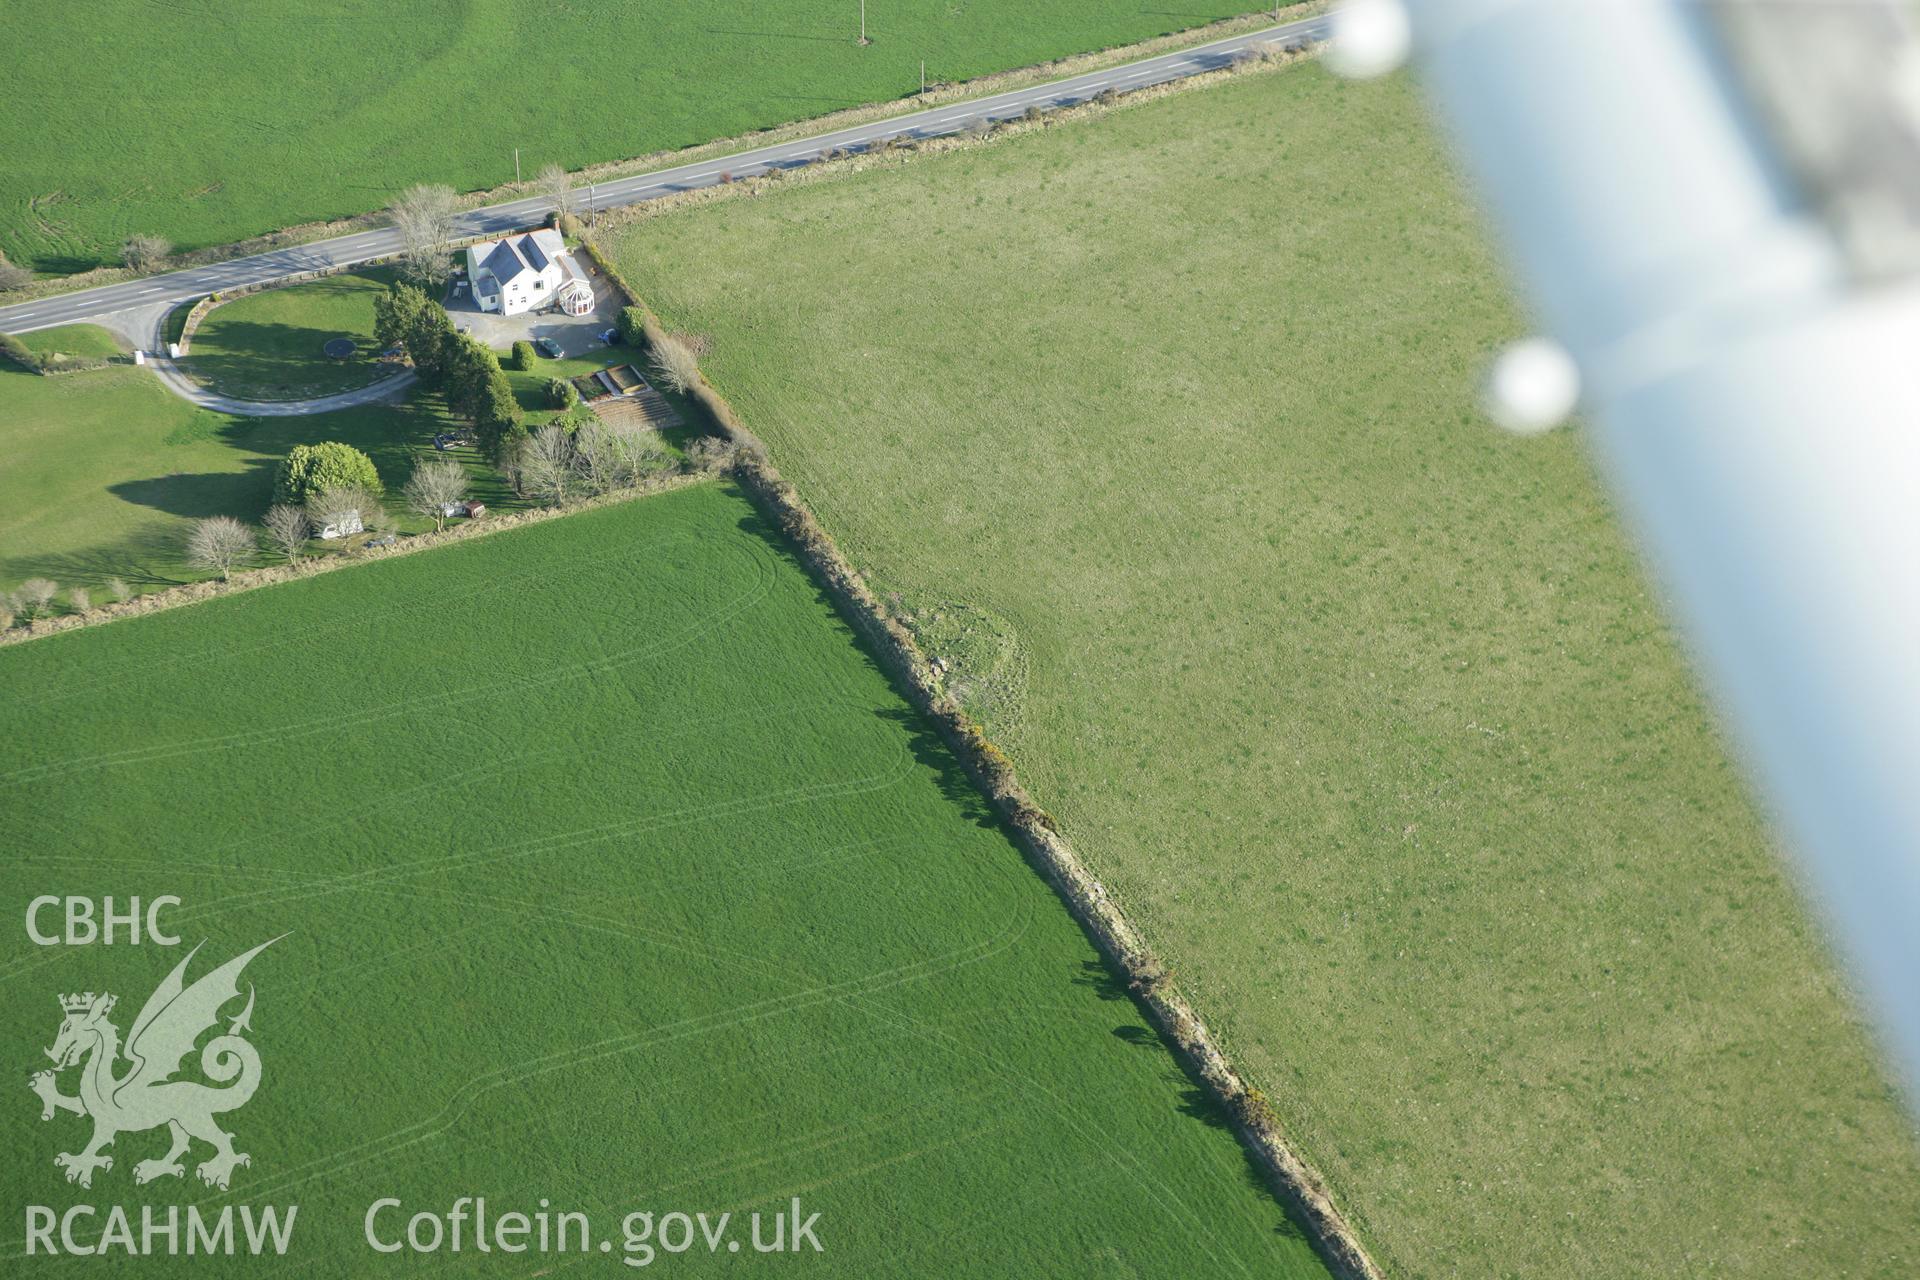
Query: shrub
x: 1256, y: 1112
x: 1150, y: 975
x: 561, y: 393
x: 18, y: 352
x: 313, y: 468
x: 708, y: 453
x: 632, y: 325
x: 524, y: 356
x: 144, y: 253
x: 32, y: 598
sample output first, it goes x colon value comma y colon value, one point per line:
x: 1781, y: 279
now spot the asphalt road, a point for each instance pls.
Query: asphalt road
x: 151, y: 292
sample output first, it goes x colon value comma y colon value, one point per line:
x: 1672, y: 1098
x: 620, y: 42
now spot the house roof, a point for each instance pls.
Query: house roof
x: 505, y: 262
x: 530, y: 250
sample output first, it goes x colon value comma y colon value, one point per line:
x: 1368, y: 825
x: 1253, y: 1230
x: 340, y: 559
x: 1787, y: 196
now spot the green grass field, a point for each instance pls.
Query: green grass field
x: 612, y: 872
x: 270, y: 346
x: 139, y: 122
x: 86, y: 341
x: 1365, y: 711
x: 107, y: 469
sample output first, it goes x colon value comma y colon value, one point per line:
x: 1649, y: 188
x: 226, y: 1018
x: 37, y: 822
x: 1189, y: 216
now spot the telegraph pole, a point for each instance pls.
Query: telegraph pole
x: 863, y: 23
x: 516, y: 166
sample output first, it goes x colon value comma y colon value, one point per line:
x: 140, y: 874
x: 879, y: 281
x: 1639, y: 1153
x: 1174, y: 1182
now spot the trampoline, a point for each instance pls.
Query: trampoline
x: 339, y: 348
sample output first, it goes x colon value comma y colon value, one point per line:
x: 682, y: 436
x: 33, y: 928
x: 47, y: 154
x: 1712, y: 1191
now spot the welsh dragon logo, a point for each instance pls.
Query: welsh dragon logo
x: 144, y: 1095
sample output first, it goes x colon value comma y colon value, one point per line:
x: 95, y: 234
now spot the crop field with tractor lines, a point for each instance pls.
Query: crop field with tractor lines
x: 656, y: 897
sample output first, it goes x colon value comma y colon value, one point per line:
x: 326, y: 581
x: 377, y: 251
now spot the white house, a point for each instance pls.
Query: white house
x: 527, y: 272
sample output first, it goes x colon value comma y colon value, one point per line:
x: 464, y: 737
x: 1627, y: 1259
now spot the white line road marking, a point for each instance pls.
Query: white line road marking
x: 264, y: 268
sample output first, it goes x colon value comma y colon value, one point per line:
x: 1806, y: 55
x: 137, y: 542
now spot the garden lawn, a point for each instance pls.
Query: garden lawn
x: 611, y: 874
x: 107, y: 469
x: 209, y: 125
x: 1364, y: 710
x: 270, y: 345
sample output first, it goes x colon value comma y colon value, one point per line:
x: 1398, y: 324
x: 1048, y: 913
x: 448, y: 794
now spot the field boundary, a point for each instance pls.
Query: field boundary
x: 311, y: 566
x: 902, y: 149
x: 24, y: 356
x: 197, y: 313
x: 937, y: 94
x: 1297, y: 1185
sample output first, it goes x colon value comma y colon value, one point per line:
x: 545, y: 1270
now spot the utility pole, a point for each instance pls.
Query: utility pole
x: 923, y: 77
x: 863, y: 23
x: 516, y: 166
x: 593, y: 209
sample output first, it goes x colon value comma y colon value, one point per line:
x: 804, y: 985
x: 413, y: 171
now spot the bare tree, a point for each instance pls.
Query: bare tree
x: 343, y: 506
x: 221, y: 544
x: 600, y: 458
x: 119, y: 590
x: 674, y: 363
x: 144, y: 253
x: 424, y: 215
x: 33, y: 598
x: 609, y: 456
x: 435, y: 485
x: 556, y: 184
x: 12, y: 277
x: 79, y: 600
x: 548, y: 466
x: 289, y: 528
